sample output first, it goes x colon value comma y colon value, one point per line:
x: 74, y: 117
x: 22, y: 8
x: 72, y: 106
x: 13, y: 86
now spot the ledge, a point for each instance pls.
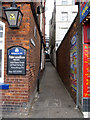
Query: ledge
x: 4, y: 86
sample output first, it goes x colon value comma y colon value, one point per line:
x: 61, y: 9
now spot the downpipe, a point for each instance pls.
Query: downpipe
x: 38, y: 79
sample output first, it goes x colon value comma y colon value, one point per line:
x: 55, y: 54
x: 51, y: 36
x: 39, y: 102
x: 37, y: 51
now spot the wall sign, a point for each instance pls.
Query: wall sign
x: 16, y: 61
x: 86, y: 71
x: 86, y: 31
x: 84, y: 10
x: 73, y: 61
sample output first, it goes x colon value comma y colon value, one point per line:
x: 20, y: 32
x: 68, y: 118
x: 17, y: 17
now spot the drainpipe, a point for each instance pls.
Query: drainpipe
x: 41, y: 42
x: 77, y: 94
x: 78, y: 66
x: 38, y: 79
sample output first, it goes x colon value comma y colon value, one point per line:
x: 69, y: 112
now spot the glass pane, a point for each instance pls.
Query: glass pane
x: 19, y: 19
x: 64, y: 2
x: 12, y: 17
x: 35, y: 32
x: 64, y: 16
x: 73, y: 15
x: 1, y: 28
x: 88, y: 33
x: 73, y: 2
x: 0, y: 63
x: 1, y: 34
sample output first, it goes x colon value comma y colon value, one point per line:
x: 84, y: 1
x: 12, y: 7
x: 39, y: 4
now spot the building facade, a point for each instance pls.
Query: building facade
x: 52, y: 34
x: 65, y: 13
x: 21, y: 56
x: 42, y: 28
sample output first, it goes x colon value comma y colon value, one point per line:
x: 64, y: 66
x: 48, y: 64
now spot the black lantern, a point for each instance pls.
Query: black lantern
x: 13, y: 15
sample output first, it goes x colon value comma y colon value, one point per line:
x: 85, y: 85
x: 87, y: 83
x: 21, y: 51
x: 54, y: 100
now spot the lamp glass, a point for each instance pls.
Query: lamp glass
x: 12, y: 17
x: 19, y: 19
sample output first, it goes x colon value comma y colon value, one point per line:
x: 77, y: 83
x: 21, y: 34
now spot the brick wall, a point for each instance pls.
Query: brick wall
x: 43, y: 24
x: 22, y: 87
x: 63, y: 58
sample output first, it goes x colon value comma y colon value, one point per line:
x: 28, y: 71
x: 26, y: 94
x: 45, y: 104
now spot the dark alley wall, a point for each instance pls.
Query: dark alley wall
x: 63, y: 58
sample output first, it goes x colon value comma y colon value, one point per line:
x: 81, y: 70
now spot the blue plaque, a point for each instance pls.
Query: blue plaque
x: 16, y: 61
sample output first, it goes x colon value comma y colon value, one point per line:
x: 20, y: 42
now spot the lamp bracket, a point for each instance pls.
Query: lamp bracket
x: 13, y: 4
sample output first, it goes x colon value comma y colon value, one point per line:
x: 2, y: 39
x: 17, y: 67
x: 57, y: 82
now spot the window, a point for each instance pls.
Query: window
x: 1, y: 31
x: 64, y: 16
x: 88, y: 33
x: 63, y: 32
x: 2, y: 34
x: 35, y: 32
x: 73, y: 2
x: 47, y: 44
x: 56, y: 44
x: 64, y: 2
x: 74, y: 15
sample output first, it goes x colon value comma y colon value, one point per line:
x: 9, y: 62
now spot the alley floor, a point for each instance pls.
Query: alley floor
x: 54, y: 101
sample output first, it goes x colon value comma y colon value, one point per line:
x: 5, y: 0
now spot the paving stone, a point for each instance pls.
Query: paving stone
x: 54, y: 101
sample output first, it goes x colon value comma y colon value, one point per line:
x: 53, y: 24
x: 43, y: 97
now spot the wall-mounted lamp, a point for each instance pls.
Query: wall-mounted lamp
x: 13, y: 15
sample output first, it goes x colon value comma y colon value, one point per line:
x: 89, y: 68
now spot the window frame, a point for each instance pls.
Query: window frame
x: 2, y: 40
x: 62, y: 18
x: 64, y: 2
x: 74, y: 14
x: 35, y: 32
x: 88, y: 35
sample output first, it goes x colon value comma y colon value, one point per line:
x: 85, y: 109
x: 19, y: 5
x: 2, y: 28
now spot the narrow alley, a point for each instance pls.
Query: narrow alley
x: 45, y: 44
x: 54, y: 100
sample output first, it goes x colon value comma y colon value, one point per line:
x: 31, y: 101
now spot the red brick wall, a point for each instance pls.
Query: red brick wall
x: 43, y: 29
x: 63, y: 58
x: 21, y: 87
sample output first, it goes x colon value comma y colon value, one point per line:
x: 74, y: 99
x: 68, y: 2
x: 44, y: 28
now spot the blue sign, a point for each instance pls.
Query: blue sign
x: 16, y: 62
x: 4, y: 86
x: 84, y: 11
x: 16, y: 51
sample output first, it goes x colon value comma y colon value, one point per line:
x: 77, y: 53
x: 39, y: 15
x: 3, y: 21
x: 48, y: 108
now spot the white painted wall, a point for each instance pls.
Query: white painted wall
x: 2, y: 43
x: 62, y: 26
x: 69, y: 2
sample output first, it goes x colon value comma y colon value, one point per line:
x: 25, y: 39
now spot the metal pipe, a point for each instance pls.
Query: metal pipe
x: 78, y: 67
x: 41, y: 42
x: 77, y: 95
x: 38, y: 80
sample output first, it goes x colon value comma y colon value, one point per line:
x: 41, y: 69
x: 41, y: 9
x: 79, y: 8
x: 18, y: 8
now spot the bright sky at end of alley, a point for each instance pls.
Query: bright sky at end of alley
x: 48, y: 14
